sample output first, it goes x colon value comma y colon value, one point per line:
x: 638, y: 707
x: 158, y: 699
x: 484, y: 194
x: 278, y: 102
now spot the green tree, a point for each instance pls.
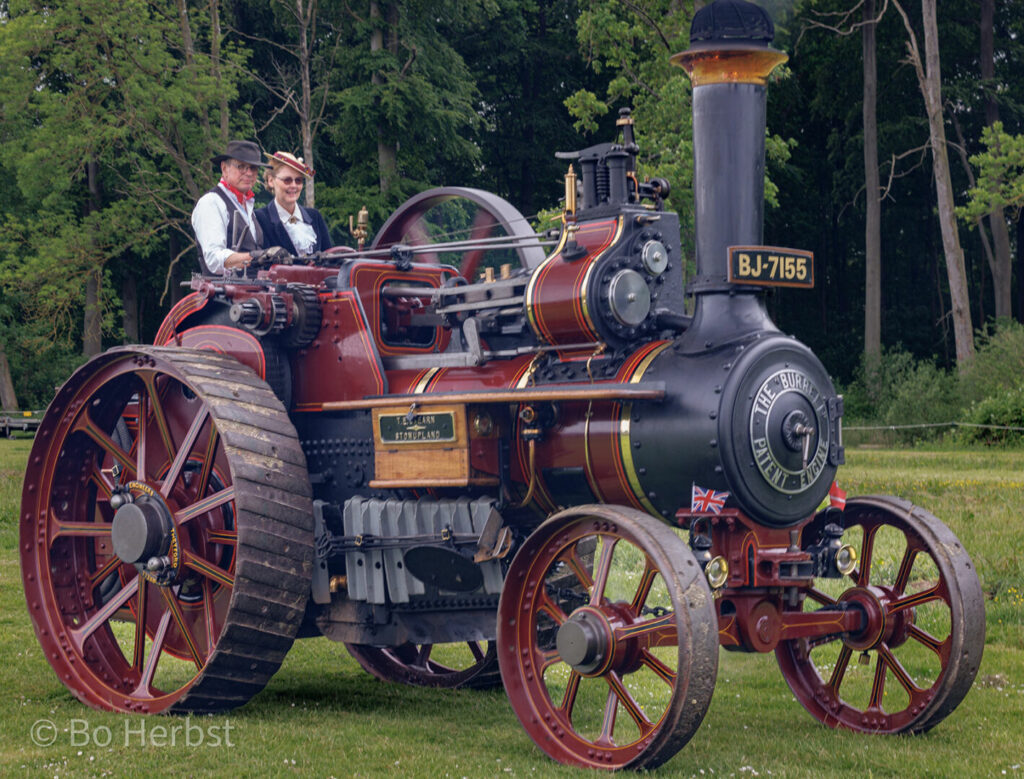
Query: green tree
x: 122, y: 110
x: 632, y: 43
x: 1000, y: 182
x: 403, y: 99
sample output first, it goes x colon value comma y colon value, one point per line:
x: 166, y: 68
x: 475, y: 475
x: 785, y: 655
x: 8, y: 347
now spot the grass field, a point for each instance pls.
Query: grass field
x: 321, y: 715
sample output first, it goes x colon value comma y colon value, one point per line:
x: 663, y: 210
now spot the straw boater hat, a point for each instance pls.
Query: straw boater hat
x: 293, y: 162
x: 243, y: 151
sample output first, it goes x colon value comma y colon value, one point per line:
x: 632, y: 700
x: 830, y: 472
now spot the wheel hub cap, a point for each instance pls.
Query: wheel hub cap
x: 585, y: 642
x: 143, y: 535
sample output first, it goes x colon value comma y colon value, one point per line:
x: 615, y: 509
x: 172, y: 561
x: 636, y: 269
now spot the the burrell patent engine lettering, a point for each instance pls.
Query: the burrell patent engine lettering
x: 509, y: 458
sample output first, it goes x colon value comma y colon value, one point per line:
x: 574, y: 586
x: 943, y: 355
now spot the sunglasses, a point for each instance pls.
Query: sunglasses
x: 284, y: 180
x: 244, y: 168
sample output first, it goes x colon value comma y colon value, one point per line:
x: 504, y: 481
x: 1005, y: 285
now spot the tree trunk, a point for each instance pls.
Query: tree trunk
x: 188, y: 44
x: 8, y: 400
x: 305, y: 21
x: 92, y: 332
x: 215, y: 35
x: 387, y: 154
x: 92, y: 329
x: 130, y: 304
x: 929, y: 78
x: 873, y: 206
x: 1001, y: 264
x: 1020, y: 267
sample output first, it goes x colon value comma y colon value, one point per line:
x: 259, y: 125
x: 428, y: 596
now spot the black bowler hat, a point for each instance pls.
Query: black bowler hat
x: 243, y: 151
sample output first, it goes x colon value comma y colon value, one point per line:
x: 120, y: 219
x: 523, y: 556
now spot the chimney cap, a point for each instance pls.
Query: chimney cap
x: 731, y: 22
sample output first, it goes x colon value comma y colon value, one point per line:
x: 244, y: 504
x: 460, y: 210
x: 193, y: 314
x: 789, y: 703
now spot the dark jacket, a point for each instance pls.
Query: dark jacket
x: 275, y: 234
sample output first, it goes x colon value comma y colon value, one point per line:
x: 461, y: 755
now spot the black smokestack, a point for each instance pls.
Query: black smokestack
x: 728, y: 62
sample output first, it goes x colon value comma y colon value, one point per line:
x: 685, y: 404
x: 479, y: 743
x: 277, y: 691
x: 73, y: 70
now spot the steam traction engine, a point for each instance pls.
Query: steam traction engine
x: 550, y: 478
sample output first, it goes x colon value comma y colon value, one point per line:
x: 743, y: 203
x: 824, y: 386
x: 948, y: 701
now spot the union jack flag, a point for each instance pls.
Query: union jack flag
x: 704, y: 501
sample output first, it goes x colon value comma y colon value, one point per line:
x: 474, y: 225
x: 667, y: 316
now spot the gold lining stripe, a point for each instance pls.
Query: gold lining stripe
x: 625, y: 449
x: 421, y: 385
x: 535, y: 277
x: 584, y: 309
x: 588, y: 465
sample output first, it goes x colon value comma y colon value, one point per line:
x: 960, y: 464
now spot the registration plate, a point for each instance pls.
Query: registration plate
x: 771, y: 266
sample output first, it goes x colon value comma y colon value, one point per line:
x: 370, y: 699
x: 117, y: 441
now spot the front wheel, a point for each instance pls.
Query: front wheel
x: 923, y: 626
x: 607, y: 639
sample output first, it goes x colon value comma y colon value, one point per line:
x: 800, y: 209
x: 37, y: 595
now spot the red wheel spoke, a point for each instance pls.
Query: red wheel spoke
x: 155, y: 651
x: 878, y: 683
x: 205, y: 505
x: 572, y: 689
x: 577, y: 566
x: 207, y: 569
x: 156, y: 408
x: 105, y: 612
x: 629, y: 703
x: 839, y: 671
x: 924, y: 596
x: 104, y: 571
x: 906, y: 565
x: 611, y: 708
x: 78, y: 529
x: 179, y: 620
x: 210, y: 615
x: 103, y: 486
x: 867, y: 547
x: 225, y: 537
x: 139, y: 650
x: 549, y: 607
x: 665, y: 673
x: 208, y: 458
x: 817, y: 595
x: 547, y: 658
x: 84, y: 424
x: 940, y: 648
x: 602, y: 569
x: 184, y: 449
x: 660, y: 631
x: 644, y: 588
x: 887, y: 659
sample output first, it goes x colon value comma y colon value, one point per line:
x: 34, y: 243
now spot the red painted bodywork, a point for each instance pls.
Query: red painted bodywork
x: 556, y: 298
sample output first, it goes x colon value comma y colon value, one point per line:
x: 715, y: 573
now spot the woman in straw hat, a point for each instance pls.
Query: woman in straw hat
x: 300, y: 230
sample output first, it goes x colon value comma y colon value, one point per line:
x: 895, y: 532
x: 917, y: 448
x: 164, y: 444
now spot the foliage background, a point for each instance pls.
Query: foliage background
x: 109, y: 116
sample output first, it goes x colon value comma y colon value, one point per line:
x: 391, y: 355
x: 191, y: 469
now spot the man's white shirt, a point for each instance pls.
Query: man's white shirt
x: 210, y: 219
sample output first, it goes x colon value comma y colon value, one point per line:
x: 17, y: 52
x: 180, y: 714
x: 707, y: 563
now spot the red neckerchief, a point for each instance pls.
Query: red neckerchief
x: 242, y: 196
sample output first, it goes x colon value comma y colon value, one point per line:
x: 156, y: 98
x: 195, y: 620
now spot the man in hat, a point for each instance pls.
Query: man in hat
x: 227, y: 233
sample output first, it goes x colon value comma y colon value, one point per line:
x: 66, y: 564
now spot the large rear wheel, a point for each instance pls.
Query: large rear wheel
x: 166, y: 532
